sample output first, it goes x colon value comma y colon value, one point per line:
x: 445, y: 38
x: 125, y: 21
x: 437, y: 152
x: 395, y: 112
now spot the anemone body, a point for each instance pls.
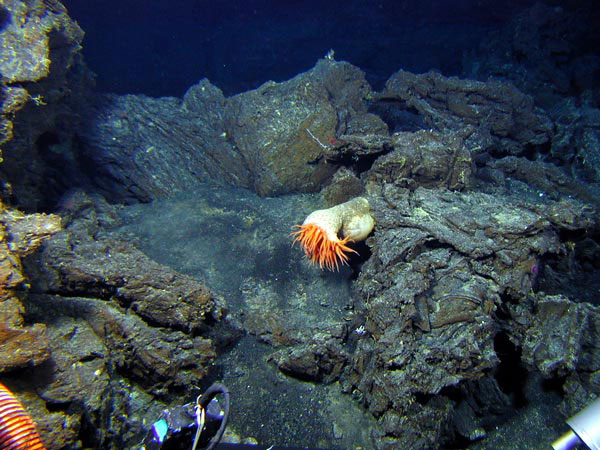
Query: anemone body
x: 325, y: 232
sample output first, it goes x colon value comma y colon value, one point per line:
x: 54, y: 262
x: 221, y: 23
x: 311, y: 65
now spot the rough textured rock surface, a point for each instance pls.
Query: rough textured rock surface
x: 436, y: 320
x: 447, y: 292
x: 147, y: 148
x: 293, y: 318
x: 424, y: 158
x: 121, y: 331
x: 111, y: 363
x: 576, y: 142
x: 435, y: 292
x: 81, y: 260
x: 491, y: 114
x: 344, y: 186
x: 143, y: 148
x: 291, y: 136
x: 42, y: 80
x: 296, y: 317
x: 20, y: 235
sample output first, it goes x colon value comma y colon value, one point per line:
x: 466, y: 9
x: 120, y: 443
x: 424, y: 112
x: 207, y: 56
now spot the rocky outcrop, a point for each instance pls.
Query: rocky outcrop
x: 20, y: 235
x: 42, y: 81
x: 292, y: 136
x: 491, y: 115
x: 271, y: 139
x: 576, y: 142
x: 446, y: 268
x: 424, y: 158
x: 119, y: 330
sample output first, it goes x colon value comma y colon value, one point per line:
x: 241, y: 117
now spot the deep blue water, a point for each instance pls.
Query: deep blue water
x: 161, y: 48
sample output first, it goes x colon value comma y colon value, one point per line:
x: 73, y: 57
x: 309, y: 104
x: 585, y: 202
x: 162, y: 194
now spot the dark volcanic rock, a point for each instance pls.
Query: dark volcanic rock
x: 344, y: 186
x: 458, y: 296
x: 21, y: 346
x: 576, y: 142
x: 490, y: 116
x: 25, y: 51
x: 562, y: 341
x: 43, y: 78
x: 122, y: 331
x: 144, y: 148
x: 570, y: 326
x: 424, y: 158
x: 95, y: 331
x: 547, y: 178
x: 298, y: 319
x: 442, y: 262
x: 271, y: 139
x: 81, y: 261
x: 107, y: 364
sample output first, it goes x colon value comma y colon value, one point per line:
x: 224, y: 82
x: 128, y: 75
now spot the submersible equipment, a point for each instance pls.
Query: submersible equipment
x: 585, y: 429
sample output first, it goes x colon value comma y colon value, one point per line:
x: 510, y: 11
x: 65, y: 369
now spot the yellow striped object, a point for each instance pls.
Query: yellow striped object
x: 17, y: 429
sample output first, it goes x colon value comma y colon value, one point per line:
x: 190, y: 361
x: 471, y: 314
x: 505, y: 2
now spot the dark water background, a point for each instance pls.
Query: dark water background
x: 162, y: 48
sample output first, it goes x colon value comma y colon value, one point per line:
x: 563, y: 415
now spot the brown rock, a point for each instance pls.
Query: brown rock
x: 20, y: 235
x: 20, y: 346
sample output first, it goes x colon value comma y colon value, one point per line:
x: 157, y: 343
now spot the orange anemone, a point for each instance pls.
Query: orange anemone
x: 320, y: 248
x: 325, y: 232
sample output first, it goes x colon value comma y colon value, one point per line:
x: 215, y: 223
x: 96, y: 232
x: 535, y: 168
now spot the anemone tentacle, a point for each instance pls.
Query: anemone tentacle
x: 320, y: 249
